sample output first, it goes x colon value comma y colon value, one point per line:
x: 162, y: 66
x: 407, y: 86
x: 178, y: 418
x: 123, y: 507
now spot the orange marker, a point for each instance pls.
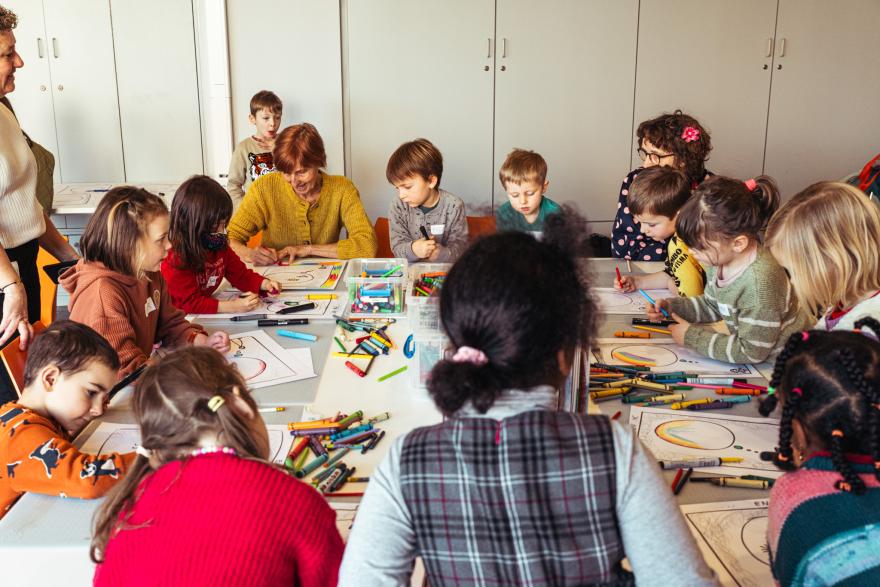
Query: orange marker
x: 630, y: 334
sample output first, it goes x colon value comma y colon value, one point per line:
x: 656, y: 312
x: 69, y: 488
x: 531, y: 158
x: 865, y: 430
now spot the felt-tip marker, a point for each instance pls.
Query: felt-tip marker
x: 280, y: 322
x: 247, y: 317
x: 297, y: 308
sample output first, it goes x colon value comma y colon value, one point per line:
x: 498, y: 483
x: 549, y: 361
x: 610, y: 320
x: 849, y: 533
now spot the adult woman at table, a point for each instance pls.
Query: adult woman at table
x: 24, y: 227
x: 301, y: 209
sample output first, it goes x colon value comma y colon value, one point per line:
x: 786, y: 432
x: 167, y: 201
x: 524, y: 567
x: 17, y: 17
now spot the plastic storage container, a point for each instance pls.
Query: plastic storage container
x: 424, y: 311
x: 376, y: 287
x: 428, y: 352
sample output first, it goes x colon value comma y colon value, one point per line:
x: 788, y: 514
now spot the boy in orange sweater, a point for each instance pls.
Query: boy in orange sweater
x: 69, y: 371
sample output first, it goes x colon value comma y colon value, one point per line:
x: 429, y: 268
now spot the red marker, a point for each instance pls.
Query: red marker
x: 619, y: 278
x: 676, y: 479
x: 616, y: 416
x: 355, y: 368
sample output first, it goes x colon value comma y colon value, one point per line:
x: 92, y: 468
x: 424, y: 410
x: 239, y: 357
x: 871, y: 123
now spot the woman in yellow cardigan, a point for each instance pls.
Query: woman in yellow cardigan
x: 301, y: 210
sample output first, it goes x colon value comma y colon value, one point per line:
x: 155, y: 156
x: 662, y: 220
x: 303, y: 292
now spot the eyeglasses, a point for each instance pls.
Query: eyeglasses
x: 654, y: 158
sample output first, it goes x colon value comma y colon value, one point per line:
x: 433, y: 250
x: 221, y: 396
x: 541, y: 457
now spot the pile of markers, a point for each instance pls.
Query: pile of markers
x: 639, y: 386
x: 428, y: 284
x: 381, y: 293
x: 370, y: 342
x: 329, y: 441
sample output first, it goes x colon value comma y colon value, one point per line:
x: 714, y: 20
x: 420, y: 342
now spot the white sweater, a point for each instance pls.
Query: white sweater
x: 869, y: 307
x: 21, y: 218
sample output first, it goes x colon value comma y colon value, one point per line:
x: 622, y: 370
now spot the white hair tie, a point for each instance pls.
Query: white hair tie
x: 144, y: 452
x: 466, y: 354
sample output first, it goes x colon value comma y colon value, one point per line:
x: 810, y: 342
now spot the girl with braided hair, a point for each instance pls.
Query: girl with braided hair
x: 824, y: 517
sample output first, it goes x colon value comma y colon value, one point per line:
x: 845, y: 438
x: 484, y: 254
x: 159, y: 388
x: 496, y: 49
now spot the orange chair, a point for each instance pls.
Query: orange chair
x: 255, y: 240
x: 480, y: 226
x: 48, y: 288
x: 383, y: 236
x: 14, y: 359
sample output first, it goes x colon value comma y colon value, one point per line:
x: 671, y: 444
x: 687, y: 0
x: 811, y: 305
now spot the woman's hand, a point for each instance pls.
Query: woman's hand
x: 293, y: 251
x: 15, y: 316
x: 218, y: 341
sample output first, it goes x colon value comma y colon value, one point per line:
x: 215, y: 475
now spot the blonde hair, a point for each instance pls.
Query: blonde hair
x: 522, y: 166
x: 827, y: 236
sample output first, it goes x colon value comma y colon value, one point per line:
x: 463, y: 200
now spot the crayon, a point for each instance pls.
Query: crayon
x: 351, y: 419
x: 635, y: 399
x: 740, y: 482
x: 350, y: 432
x: 619, y: 278
x: 338, y: 456
x: 616, y: 415
x: 342, y: 479
x: 684, y: 479
x: 339, y: 344
x: 301, y: 460
x: 326, y: 422
x: 359, y: 479
x: 326, y: 473
x: 716, y: 405
x: 316, y: 446
x: 327, y: 483
x: 298, y: 447
x: 676, y: 479
x: 379, y: 417
x: 372, y: 444
x: 619, y: 383
x: 313, y: 464
x: 695, y: 463
x: 615, y: 391
x: 355, y: 368
x: 354, y: 438
x: 652, y: 329
x: 315, y: 431
x: 392, y: 271
x: 642, y: 383
x: 737, y: 391
x: 693, y: 402
x: 629, y: 334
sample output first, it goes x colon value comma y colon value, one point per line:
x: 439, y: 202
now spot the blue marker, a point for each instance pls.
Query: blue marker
x: 653, y: 303
x: 297, y: 335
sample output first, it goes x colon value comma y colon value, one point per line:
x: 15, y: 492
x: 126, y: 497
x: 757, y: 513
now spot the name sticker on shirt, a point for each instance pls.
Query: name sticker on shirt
x: 150, y: 306
x: 724, y: 309
x: 437, y: 229
x: 212, y: 281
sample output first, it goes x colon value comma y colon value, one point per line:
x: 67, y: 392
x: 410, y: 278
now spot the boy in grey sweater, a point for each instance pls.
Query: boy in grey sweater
x: 426, y: 223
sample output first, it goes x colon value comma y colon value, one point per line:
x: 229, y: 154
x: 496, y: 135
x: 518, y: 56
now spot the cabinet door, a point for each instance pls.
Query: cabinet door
x: 711, y: 59
x: 32, y: 98
x: 824, y: 119
x: 564, y: 80
x: 84, y: 89
x: 421, y: 69
x: 158, y: 89
x: 291, y: 47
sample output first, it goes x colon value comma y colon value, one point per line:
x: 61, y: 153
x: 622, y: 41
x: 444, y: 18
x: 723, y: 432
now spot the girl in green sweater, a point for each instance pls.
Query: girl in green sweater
x: 722, y: 224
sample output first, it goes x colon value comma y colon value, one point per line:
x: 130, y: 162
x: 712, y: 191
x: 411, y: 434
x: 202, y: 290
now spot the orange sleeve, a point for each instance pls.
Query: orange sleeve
x: 41, y: 460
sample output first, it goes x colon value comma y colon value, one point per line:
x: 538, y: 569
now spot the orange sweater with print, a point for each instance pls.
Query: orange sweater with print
x: 132, y: 314
x: 36, y: 456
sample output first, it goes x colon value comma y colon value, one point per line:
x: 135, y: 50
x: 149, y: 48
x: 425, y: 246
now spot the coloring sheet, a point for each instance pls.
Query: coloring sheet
x: 612, y: 301
x: 271, y: 305
x: 305, y: 274
x: 111, y: 437
x: 681, y: 434
x: 732, y: 536
x: 663, y: 355
x: 262, y: 361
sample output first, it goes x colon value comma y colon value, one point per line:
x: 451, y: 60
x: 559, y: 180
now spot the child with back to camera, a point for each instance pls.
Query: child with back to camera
x: 824, y: 515
x: 508, y: 490
x: 722, y: 224
x: 202, y: 505
x: 827, y: 238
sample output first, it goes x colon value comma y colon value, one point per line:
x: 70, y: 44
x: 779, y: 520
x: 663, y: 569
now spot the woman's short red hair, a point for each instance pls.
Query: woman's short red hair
x: 298, y: 146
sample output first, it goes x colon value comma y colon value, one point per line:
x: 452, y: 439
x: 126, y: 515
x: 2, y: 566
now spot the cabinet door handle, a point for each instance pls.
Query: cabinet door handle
x: 782, y: 47
x: 489, y: 48
x: 769, y: 47
x: 40, y: 47
x: 55, y: 47
x: 504, y: 48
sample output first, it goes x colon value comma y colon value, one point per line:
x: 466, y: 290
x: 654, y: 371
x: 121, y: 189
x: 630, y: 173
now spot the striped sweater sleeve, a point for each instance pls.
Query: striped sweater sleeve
x: 698, y: 309
x: 752, y: 342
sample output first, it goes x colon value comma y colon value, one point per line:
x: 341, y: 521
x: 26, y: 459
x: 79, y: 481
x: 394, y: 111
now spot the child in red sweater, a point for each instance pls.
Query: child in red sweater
x: 201, y: 504
x: 200, y: 256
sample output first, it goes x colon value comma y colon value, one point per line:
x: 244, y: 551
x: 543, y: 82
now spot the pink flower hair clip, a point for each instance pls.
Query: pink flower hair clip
x: 690, y: 134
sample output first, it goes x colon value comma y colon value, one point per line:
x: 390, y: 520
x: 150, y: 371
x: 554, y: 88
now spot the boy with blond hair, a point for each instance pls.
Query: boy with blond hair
x: 426, y: 223
x: 524, y: 177
x: 252, y: 157
x: 68, y: 375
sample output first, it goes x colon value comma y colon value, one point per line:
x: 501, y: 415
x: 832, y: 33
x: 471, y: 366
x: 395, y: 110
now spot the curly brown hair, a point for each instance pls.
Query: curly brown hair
x: 8, y: 19
x: 666, y: 132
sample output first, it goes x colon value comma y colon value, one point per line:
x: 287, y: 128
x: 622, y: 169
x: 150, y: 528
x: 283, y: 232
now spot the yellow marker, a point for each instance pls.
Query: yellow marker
x: 609, y: 392
x: 736, y: 482
x: 321, y: 296
x: 628, y: 334
x: 644, y: 384
x: 352, y: 356
x: 693, y: 402
x: 652, y: 329
x: 386, y: 341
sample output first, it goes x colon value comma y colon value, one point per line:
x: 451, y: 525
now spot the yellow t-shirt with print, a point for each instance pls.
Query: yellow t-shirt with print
x: 685, y: 271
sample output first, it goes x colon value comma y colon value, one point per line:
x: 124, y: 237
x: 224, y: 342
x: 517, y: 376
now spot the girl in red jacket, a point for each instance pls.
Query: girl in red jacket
x: 200, y: 256
x: 201, y: 504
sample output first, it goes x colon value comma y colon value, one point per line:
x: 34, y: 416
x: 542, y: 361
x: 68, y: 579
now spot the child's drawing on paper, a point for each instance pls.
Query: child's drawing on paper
x: 306, y: 274
x: 612, y: 301
x: 261, y: 360
x: 664, y: 355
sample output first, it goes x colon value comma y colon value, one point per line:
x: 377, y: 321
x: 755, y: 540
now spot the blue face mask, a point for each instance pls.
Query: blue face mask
x: 215, y: 241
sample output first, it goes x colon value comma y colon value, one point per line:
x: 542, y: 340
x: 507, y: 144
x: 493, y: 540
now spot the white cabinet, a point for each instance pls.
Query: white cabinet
x: 158, y: 91
x: 421, y: 69
x: 564, y: 88
x: 824, y: 118
x: 712, y: 59
x: 112, y: 93
x: 291, y: 47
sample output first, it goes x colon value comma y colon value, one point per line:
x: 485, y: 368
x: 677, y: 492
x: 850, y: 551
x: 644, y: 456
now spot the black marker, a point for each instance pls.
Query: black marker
x: 297, y: 308
x: 126, y: 381
x: 247, y: 317
x: 646, y: 322
x: 289, y: 322
x: 424, y: 232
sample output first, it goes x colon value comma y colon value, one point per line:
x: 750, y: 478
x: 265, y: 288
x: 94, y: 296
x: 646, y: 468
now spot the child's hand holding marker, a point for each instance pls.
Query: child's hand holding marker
x: 424, y: 248
x: 626, y: 283
x: 245, y: 303
x: 271, y: 287
x: 658, y: 310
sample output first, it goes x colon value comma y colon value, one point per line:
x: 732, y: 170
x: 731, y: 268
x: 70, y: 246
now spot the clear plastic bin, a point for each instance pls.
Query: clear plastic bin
x: 430, y: 348
x: 424, y: 311
x: 371, y: 294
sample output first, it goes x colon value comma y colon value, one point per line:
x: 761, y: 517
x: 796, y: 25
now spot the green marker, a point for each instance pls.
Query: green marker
x: 392, y: 374
x: 339, y: 342
x: 392, y: 271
